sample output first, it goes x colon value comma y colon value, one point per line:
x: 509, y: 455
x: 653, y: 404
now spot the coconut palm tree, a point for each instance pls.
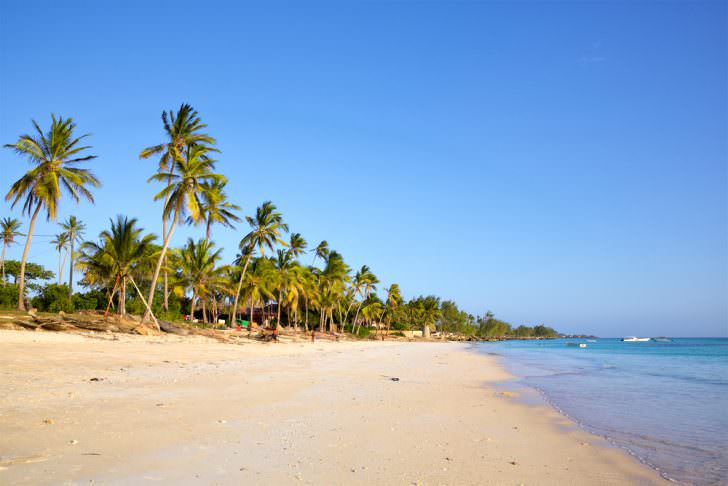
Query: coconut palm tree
x: 60, y: 242
x: 216, y: 208
x: 258, y: 285
x: 368, y: 285
x: 332, y: 283
x: 120, y: 253
x: 297, y: 245
x: 54, y: 156
x: 9, y: 229
x: 183, y: 129
x: 321, y: 251
x: 394, y: 300
x: 265, y: 232
x: 199, y: 272
x: 75, y: 230
x: 182, y: 196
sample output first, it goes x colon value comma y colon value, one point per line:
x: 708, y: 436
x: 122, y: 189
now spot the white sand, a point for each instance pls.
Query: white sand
x: 190, y: 411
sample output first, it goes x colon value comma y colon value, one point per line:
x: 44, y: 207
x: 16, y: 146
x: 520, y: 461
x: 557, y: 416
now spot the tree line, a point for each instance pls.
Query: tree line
x: 128, y: 269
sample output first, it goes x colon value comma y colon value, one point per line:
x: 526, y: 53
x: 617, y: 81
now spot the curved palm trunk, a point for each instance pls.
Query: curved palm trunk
x: 60, y: 268
x: 111, y: 296
x: 278, y: 310
x: 207, y: 232
x: 240, y: 285
x: 60, y: 273
x: 358, y: 308
x: 152, y: 288
x: 21, y: 283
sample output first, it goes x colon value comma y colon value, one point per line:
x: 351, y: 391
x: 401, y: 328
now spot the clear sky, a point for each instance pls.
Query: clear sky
x: 563, y: 163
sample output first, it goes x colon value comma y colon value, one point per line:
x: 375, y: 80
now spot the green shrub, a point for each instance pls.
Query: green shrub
x: 8, y: 296
x: 91, y: 300
x: 363, y: 332
x: 53, y: 298
x: 397, y: 333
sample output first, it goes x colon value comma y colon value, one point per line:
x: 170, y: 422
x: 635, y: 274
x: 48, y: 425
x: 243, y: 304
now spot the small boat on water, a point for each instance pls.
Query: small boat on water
x: 634, y: 339
x: 591, y: 340
x: 581, y: 345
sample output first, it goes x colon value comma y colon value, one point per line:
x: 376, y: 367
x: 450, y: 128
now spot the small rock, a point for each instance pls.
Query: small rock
x: 512, y: 463
x: 49, y: 421
x: 299, y: 477
x: 394, y: 378
x: 222, y: 421
x: 73, y: 442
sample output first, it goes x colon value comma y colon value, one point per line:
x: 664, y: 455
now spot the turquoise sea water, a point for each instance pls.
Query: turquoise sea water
x: 666, y: 403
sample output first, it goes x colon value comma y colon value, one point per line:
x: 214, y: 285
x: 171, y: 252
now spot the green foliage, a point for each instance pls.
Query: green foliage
x: 33, y: 271
x: 363, y: 332
x: 492, y: 327
x: 53, y: 298
x: 8, y: 296
x: 91, y: 300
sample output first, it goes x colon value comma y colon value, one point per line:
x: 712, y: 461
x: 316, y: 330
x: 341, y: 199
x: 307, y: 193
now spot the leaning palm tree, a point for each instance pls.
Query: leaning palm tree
x: 182, y: 196
x: 369, y: 283
x: 53, y: 155
x: 119, y: 254
x: 9, y: 229
x: 183, y: 130
x: 265, y: 232
x: 75, y: 230
x: 216, y: 208
x: 60, y: 243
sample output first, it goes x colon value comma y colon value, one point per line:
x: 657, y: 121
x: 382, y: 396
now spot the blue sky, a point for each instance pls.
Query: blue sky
x: 562, y: 163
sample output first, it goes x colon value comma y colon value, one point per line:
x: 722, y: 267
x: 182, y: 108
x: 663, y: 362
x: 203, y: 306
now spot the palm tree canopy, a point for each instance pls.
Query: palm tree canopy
x: 120, y: 251
x: 60, y: 242
x: 74, y: 228
x: 322, y: 250
x: 53, y: 156
x: 9, y: 229
x: 297, y: 244
x: 183, y: 129
x: 197, y: 262
x: 266, y: 228
x: 215, y: 208
x: 187, y: 183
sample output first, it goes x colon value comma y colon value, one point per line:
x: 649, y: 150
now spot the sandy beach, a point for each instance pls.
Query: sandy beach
x: 172, y: 410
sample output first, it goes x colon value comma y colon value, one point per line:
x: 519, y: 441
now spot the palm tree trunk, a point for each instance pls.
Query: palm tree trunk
x: 111, y: 296
x: 60, y: 269
x: 204, y: 311
x: 207, y: 232
x: 305, y: 301
x: 192, y: 306
x: 152, y: 288
x: 65, y: 256
x: 357, y: 313
x: 21, y: 283
x: 70, y: 269
x: 122, y: 297
x: 2, y: 261
x: 240, y: 285
x: 278, y: 309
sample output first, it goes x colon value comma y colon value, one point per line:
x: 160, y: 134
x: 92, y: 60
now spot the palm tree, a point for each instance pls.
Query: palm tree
x: 332, y: 283
x: 297, y: 245
x: 199, y: 272
x: 54, y: 156
x: 183, y: 129
x: 216, y: 208
x: 8, y: 231
x: 61, y: 244
x: 258, y: 285
x: 394, y: 300
x: 265, y: 232
x: 118, y: 255
x: 368, y: 284
x: 75, y: 230
x: 182, y: 195
x: 321, y: 251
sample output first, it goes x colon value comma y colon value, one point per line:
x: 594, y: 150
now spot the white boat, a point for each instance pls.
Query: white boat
x: 634, y: 339
x: 582, y: 345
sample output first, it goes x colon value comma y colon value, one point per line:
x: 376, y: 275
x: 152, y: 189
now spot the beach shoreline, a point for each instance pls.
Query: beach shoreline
x: 192, y: 411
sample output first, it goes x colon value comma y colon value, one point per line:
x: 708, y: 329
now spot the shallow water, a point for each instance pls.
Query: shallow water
x: 666, y: 403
